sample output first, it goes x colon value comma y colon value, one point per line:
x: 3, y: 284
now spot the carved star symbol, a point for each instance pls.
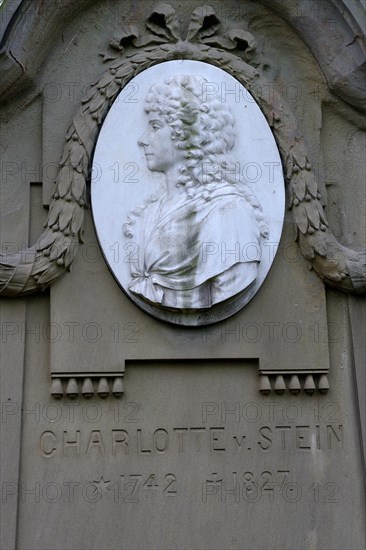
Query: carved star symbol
x: 102, y: 485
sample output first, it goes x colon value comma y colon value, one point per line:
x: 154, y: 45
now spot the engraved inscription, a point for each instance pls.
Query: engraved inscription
x: 267, y: 485
x: 190, y: 440
x: 132, y: 488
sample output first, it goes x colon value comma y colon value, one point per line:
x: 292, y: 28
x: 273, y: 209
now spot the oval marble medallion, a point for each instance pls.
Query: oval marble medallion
x: 187, y: 193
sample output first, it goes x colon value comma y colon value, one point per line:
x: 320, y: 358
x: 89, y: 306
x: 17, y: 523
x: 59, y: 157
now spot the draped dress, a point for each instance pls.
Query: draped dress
x: 196, y: 252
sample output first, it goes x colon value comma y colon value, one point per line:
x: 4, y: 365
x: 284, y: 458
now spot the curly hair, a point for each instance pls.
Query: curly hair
x: 203, y: 127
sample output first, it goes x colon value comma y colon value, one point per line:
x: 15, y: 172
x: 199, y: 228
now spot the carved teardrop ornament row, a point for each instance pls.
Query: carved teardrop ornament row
x: 87, y: 386
x: 293, y: 383
x: 104, y: 386
x: 39, y: 266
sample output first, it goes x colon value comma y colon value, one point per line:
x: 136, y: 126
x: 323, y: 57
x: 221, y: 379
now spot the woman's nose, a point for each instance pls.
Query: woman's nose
x: 143, y: 140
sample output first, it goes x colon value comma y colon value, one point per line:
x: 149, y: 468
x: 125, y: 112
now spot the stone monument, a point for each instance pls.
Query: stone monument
x: 182, y: 275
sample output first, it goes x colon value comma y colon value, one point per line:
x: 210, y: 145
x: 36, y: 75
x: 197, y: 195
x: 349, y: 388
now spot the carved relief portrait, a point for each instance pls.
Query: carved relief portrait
x: 192, y: 228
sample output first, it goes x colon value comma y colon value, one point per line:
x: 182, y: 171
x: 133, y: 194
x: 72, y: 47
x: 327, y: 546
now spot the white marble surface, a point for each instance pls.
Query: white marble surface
x: 134, y: 159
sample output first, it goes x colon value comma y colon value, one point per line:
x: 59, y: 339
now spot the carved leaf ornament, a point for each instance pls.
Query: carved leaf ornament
x: 36, y: 268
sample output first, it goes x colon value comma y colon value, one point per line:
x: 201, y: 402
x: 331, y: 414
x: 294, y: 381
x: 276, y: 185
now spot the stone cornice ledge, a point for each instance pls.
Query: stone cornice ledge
x: 27, y: 39
x: 335, y: 39
x: 328, y: 28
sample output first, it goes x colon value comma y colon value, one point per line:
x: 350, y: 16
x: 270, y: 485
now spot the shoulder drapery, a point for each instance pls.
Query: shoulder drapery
x: 192, y: 244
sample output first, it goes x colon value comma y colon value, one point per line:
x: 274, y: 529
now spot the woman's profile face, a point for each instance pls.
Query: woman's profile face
x: 160, y: 152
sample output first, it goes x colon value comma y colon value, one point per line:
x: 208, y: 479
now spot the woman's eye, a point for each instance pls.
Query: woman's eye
x: 155, y: 126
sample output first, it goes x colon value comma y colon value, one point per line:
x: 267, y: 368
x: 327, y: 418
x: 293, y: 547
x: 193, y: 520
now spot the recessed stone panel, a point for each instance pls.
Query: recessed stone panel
x: 193, y: 457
